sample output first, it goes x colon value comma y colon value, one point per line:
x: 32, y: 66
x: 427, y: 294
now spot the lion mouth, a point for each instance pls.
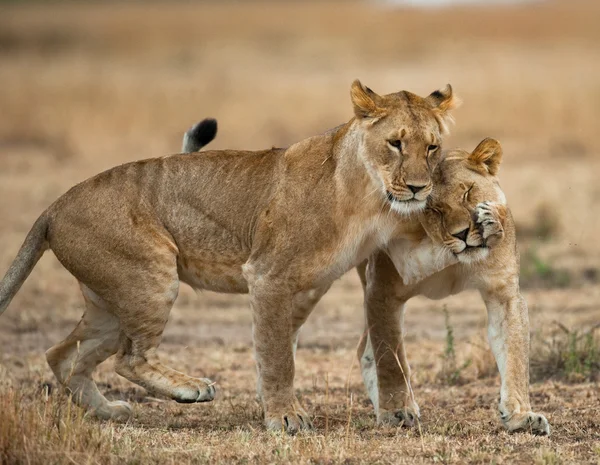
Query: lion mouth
x: 405, y: 207
x: 471, y: 254
x: 392, y: 198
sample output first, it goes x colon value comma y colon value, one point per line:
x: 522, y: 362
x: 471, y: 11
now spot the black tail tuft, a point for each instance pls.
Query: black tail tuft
x: 199, y: 135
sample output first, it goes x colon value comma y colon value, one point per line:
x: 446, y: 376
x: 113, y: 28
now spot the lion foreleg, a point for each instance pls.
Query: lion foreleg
x: 382, y: 356
x: 303, y: 305
x: 272, y: 309
x: 508, y: 333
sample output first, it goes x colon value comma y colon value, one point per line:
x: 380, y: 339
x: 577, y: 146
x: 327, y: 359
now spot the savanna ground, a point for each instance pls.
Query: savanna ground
x: 87, y: 86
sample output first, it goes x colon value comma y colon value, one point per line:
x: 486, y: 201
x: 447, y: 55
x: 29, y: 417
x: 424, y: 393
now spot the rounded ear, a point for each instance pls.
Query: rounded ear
x: 488, y: 154
x: 443, y: 101
x: 363, y: 100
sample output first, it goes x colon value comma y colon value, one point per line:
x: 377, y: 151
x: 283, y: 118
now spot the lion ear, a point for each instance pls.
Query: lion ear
x: 488, y: 154
x: 364, y: 101
x: 443, y: 101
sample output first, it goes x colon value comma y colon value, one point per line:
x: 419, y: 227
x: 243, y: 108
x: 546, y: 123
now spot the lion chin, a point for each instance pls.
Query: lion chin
x: 408, y: 207
x: 473, y: 255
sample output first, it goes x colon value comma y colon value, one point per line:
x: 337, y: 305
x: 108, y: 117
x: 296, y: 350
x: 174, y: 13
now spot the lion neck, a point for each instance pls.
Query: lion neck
x: 357, y: 189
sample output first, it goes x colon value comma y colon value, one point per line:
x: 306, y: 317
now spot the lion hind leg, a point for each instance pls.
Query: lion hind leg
x: 143, y: 318
x: 95, y: 338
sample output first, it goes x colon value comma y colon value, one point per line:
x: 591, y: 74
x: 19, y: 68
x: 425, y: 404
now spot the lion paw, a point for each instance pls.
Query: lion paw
x: 292, y: 421
x: 407, y: 417
x: 534, y: 423
x: 194, y: 390
x: 488, y: 217
x: 117, y: 411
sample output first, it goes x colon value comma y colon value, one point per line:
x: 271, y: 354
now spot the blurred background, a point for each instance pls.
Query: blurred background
x: 88, y: 85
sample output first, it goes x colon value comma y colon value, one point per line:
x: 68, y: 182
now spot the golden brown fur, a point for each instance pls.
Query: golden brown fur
x: 281, y: 224
x: 481, y: 236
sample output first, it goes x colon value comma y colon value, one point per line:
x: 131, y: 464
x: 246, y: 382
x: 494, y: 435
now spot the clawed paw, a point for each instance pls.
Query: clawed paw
x: 530, y: 422
x: 290, y: 422
x: 488, y: 217
x: 405, y: 417
x: 194, y: 390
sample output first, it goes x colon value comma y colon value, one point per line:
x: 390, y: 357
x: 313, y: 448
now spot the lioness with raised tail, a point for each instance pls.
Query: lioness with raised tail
x: 466, y: 230
x: 281, y: 224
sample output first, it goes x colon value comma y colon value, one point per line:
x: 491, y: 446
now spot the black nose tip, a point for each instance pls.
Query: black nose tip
x: 415, y: 189
x: 462, y: 235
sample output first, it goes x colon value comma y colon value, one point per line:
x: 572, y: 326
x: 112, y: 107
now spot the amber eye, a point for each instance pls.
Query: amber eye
x: 396, y: 143
x: 433, y: 148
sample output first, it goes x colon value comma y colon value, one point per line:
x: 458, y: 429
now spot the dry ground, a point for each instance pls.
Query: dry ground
x: 85, y: 87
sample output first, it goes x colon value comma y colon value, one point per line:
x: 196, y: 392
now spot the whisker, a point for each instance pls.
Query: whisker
x: 371, y: 193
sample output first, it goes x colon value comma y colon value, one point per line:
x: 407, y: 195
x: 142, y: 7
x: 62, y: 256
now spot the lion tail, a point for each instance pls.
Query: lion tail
x: 30, y: 252
x: 199, y: 135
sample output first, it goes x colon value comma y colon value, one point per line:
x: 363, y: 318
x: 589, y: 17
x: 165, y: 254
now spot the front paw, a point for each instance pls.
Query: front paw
x: 488, y: 216
x: 403, y: 417
x: 533, y: 423
x: 289, y: 420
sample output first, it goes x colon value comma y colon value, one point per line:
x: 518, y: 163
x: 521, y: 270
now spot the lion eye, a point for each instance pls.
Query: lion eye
x: 466, y: 195
x: 396, y: 143
x: 433, y: 148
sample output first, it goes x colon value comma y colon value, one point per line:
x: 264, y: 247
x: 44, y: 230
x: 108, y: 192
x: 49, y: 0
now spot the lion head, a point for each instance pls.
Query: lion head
x: 462, y: 181
x: 401, y: 138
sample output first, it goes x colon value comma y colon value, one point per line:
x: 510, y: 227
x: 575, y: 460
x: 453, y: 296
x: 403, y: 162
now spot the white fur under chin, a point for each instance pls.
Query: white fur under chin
x: 408, y: 208
x: 473, y: 255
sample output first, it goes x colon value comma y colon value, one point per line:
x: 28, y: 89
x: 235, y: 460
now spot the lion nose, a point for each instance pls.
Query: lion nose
x: 414, y: 189
x: 462, y: 235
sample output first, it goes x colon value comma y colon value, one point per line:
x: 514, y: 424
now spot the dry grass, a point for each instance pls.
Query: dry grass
x: 459, y: 426
x: 566, y: 353
x: 87, y: 86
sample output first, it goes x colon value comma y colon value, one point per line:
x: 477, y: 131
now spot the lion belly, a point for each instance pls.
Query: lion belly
x: 214, y: 265
x: 212, y: 276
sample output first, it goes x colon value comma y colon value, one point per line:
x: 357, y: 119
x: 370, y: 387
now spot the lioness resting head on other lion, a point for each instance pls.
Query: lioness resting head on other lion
x: 281, y: 224
x: 472, y: 231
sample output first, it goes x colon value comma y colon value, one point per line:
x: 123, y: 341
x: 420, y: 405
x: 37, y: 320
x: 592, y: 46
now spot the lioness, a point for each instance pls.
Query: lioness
x: 281, y: 224
x: 459, y: 227
x: 462, y: 180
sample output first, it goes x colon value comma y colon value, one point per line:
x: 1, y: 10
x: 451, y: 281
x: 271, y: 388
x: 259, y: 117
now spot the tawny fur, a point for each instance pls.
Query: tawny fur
x: 490, y: 265
x: 281, y: 224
